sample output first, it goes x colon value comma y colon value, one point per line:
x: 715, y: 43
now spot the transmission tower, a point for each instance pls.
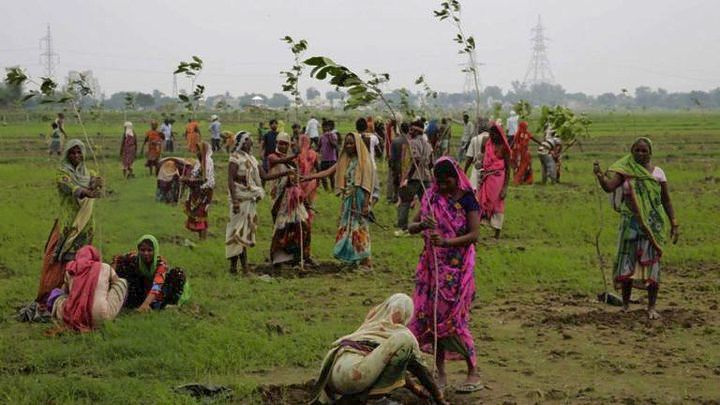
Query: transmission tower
x: 48, y: 57
x: 539, y: 68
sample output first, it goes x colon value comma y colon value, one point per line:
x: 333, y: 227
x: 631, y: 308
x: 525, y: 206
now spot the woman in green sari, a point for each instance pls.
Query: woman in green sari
x: 78, y: 188
x: 645, y: 211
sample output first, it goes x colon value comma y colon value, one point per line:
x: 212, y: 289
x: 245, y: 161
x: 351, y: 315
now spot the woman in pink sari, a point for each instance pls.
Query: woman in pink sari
x: 307, y: 165
x: 450, y: 222
x: 494, y: 178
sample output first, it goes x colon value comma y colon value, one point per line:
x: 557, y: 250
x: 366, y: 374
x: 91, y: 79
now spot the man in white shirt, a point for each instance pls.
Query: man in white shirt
x: 474, y: 156
x: 468, y: 134
x: 215, y: 129
x: 313, y: 130
x: 166, y: 130
x: 512, y: 126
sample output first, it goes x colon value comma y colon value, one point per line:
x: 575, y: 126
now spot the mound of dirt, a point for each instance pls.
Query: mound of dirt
x: 302, y: 394
x: 670, y: 318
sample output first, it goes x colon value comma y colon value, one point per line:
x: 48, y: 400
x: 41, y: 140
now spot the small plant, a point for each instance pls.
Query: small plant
x: 47, y: 92
x: 566, y: 123
x: 292, y: 76
x: 451, y: 10
x: 360, y: 92
x: 191, y: 70
x: 428, y: 92
x: 523, y: 108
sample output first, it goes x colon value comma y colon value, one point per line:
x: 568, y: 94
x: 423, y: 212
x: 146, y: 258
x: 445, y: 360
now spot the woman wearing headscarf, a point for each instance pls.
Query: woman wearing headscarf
x: 192, y: 135
x: 154, y: 140
x: 291, y: 233
x: 78, y: 188
x: 92, y: 292
x: 645, y: 211
x: 171, y: 170
x: 354, y: 182
x: 521, y: 159
x: 308, y: 164
x: 494, y: 178
x: 128, y: 149
x: 245, y: 190
x: 201, y: 183
x: 449, y: 220
x: 376, y: 359
x: 151, y: 285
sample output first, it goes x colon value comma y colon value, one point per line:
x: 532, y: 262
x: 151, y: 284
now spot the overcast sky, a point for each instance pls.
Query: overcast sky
x: 595, y: 46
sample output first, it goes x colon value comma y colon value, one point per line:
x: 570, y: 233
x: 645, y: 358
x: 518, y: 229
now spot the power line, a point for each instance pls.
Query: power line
x: 539, y: 67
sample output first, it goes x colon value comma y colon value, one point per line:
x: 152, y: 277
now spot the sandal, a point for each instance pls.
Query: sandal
x: 467, y: 388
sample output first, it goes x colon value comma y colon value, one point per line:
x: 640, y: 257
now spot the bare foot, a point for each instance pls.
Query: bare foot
x: 472, y: 378
x: 625, y: 308
x: 653, y: 314
x: 442, y: 379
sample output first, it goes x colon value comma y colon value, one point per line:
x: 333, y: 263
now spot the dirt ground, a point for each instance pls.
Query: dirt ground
x: 549, y: 347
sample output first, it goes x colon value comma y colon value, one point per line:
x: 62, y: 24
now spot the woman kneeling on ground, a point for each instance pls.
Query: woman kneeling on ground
x: 92, y: 292
x: 643, y: 226
x: 373, y: 360
x: 151, y: 285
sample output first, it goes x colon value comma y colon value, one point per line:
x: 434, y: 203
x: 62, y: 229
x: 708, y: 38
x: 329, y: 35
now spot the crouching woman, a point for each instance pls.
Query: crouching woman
x: 376, y: 359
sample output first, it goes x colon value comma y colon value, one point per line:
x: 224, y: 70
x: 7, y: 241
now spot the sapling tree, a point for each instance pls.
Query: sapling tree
x: 191, y: 70
x: 292, y: 76
x: 360, y: 92
x: 523, y: 108
x: 129, y: 104
x: 47, y: 92
x: 451, y: 10
x: 428, y: 92
x: 567, y: 125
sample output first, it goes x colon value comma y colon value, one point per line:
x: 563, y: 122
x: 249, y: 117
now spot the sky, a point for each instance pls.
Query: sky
x: 593, y: 47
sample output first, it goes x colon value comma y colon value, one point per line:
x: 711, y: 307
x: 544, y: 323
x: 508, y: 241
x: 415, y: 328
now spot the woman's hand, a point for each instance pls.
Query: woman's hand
x: 96, y: 182
x: 675, y: 233
x: 596, y: 168
x: 366, y: 210
x: 503, y: 193
x: 144, y: 308
x: 428, y: 223
x: 438, y: 240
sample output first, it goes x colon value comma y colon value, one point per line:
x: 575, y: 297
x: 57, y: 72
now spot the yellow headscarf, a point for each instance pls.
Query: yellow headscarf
x: 363, y: 173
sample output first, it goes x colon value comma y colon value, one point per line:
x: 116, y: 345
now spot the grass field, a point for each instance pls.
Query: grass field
x: 540, y: 335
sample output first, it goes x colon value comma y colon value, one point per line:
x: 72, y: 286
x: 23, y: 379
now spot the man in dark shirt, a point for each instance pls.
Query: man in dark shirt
x: 398, y: 146
x: 268, y: 143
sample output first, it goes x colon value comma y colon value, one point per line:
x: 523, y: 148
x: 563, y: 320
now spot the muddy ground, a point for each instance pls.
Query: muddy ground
x: 553, y: 347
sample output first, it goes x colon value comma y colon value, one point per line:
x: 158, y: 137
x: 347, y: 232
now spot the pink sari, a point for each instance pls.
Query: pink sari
x: 307, y: 159
x: 85, y: 270
x: 455, y: 274
x: 493, y: 179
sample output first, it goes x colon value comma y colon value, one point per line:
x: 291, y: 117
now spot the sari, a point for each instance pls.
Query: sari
x: 240, y: 231
x: 307, y: 162
x: 372, y: 359
x: 75, y: 226
x: 93, y: 294
x: 354, y: 181
x: 192, y: 135
x: 168, y: 178
x: 291, y: 233
x: 521, y: 159
x: 492, y: 181
x: 201, y: 190
x: 455, y: 278
x: 128, y: 149
x: 155, y: 141
x: 643, y: 225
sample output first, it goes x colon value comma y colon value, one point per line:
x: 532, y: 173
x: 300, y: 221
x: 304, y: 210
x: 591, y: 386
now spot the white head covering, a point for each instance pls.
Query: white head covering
x: 129, y: 129
x: 512, y: 112
x: 213, y: 117
x: 240, y: 139
x: 385, y: 319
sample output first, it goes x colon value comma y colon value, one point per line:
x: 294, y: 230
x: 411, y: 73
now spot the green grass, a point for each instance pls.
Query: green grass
x: 222, y: 338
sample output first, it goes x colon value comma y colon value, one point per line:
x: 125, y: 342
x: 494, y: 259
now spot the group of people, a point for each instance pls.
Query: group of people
x: 77, y: 288
x: 384, y: 352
